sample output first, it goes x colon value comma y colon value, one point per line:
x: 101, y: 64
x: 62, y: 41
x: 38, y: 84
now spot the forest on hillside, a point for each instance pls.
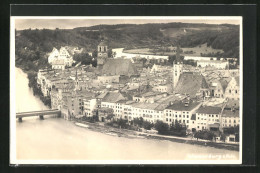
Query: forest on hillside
x: 32, y: 46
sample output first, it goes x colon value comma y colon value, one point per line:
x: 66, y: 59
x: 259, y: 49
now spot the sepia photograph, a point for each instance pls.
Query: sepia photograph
x: 126, y: 90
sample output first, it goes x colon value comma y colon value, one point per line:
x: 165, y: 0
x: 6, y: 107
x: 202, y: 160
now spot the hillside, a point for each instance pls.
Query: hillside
x: 32, y: 45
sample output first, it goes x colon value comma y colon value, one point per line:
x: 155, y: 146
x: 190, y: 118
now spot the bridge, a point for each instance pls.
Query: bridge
x: 21, y: 115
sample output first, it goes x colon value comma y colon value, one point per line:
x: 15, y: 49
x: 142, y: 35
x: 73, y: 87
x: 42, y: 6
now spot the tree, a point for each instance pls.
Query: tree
x: 161, y: 127
x: 138, y: 121
x: 147, y: 125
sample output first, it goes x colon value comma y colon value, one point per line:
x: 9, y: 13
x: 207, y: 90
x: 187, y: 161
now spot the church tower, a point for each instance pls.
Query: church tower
x: 177, y: 68
x: 102, y: 53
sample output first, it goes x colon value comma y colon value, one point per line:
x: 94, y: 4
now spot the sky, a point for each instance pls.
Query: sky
x: 65, y: 23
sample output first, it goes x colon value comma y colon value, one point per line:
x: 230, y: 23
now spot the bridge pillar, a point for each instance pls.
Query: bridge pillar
x: 41, y: 117
x: 20, y: 120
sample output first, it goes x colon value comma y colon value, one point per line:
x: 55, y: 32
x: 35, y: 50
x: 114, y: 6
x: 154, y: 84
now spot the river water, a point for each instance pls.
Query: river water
x: 58, y: 139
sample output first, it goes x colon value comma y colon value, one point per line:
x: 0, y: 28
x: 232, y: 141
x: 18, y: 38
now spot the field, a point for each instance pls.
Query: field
x: 186, y: 51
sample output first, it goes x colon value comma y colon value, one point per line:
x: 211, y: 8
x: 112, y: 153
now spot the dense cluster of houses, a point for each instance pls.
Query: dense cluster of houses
x: 120, y: 88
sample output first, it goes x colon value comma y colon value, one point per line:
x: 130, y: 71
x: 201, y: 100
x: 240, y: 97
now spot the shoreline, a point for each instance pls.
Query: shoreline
x: 141, y: 135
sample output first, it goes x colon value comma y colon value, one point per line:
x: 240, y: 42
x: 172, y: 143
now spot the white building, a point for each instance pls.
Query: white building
x: 208, y: 117
x: 182, y: 112
x: 89, y: 105
x: 58, y: 64
x: 216, y: 63
x: 233, y: 89
x: 199, y: 58
x: 62, y: 54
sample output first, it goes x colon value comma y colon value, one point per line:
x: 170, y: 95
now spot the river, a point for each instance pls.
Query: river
x: 58, y: 139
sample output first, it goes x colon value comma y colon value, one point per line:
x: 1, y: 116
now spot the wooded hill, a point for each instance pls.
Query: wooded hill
x: 32, y: 45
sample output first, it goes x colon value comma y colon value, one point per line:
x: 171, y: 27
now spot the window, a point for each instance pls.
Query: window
x: 187, y: 116
x: 198, y: 127
x: 187, y: 121
x: 183, y: 121
x: 216, y: 115
x: 209, y: 115
x: 166, y: 119
x: 180, y: 116
x: 212, y: 116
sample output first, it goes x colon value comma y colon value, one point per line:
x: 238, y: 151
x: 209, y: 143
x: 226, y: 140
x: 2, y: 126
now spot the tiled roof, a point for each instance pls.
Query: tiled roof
x: 190, y: 83
x: 119, y: 67
x: 180, y: 106
x: 230, y: 113
x: 209, y: 110
x: 232, y: 103
x: 113, y: 97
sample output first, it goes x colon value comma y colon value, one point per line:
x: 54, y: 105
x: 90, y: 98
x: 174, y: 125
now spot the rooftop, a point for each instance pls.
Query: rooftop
x: 191, y: 83
x: 209, y: 110
x: 180, y: 106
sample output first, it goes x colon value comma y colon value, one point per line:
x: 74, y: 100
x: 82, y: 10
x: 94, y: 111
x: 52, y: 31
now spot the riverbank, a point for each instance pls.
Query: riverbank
x: 135, y: 134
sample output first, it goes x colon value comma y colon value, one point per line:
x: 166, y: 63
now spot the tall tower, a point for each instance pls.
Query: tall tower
x: 102, y: 53
x: 177, y: 67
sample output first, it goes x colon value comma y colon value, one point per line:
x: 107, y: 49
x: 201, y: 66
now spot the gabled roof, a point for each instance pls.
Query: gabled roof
x: 190, y: 83
x: 119, y: 67
x: 209, y: 110
x: 113, y: 97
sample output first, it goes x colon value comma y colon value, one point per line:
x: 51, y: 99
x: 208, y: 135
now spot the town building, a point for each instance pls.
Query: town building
x: 60, y: 56
x: 233, y: 89
x: 181, y: 111
x: 208, y: 118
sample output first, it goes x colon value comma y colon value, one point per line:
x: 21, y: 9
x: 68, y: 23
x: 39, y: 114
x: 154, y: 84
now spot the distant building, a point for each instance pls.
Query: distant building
x: 216, y: 63
x: 199, y: 58
x: 62, y: 55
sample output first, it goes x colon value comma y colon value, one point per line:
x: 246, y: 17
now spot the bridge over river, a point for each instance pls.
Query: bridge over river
x: 21, y: 115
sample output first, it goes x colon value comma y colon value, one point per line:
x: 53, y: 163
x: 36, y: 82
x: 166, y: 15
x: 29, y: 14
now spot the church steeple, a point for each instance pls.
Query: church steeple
x: 178, y: 56
x: 177, y: 67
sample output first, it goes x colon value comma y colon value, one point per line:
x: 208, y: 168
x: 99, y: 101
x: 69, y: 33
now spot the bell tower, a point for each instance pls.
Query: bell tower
x: 177, y: 68
x: 102, y: 53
